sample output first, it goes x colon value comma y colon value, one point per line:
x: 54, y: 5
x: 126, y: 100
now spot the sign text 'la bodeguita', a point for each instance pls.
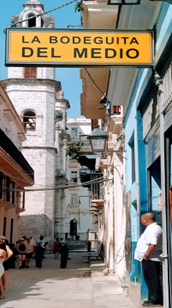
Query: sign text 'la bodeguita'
x: 77, y: 48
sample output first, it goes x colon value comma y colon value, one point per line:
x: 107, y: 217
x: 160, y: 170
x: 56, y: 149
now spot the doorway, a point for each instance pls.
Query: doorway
x: 73, y: 227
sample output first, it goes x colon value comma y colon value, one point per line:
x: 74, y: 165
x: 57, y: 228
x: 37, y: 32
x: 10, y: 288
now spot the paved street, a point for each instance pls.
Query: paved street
x: 54, y: 287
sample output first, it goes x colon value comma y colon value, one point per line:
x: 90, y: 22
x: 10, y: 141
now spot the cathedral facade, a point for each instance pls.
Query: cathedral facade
x: 40, y: 103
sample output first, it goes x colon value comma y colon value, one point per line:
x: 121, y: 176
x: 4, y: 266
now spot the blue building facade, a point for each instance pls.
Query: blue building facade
x: 148, y: 144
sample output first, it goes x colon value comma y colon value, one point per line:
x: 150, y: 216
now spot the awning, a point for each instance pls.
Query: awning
x: 88, y: 161
x: 13, y: 162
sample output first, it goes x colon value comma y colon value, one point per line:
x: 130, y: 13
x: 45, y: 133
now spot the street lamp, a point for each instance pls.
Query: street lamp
x: 97, y: 139
x: 123, y: 2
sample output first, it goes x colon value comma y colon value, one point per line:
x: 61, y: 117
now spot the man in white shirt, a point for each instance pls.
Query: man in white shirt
x: 148, y: 250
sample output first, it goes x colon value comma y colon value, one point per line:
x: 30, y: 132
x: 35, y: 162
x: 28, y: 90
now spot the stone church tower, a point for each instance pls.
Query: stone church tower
x: 39, y: 101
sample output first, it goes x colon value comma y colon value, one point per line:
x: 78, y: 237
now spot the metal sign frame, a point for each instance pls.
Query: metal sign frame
x: 79, y: 47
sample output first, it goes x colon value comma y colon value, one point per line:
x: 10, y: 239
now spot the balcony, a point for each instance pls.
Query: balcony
x: 9, y: 196
x: 97, y: 203
x: 73, y: 184
x: 13, y: 162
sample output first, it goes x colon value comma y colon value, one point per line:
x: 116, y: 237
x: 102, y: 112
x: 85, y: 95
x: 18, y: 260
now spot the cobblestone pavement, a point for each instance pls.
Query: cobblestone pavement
x: 53, y: 287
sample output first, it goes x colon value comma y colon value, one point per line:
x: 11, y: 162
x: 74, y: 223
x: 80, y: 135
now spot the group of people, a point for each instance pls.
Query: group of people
x: 26, y: 247
x: 24, y: 250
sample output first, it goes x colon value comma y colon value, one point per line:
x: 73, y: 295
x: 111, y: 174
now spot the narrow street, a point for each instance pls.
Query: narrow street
x: 75, y: 286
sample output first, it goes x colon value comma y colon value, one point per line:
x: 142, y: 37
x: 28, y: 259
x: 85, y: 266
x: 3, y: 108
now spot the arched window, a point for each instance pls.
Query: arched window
x: 30, y: 72
x: 32, y: 21
x: 29, y: 120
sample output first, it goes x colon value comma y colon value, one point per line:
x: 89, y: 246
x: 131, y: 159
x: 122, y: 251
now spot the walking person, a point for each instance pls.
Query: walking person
x: 64, y: 255
x: 30, y: 247
x: 56, y: 248
x: 148, y: 250
x: 21, y: 251
x: 43, y: 242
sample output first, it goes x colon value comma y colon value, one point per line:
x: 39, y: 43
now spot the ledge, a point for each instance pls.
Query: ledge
x: 9, y: 115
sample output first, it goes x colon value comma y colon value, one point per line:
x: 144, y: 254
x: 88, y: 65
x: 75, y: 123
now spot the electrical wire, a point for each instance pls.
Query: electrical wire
x: 58, y: 187
x: 66, y: 187
x: 69, y: 186
x: 93, y: 81
x: 41, y: 14
x: 49, y: 186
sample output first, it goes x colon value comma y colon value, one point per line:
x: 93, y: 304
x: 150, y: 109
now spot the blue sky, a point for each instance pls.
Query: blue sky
x: 69, y: 77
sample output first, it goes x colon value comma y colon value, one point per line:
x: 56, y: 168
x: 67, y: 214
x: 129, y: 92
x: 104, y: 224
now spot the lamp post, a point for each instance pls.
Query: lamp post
x: 97, y: 140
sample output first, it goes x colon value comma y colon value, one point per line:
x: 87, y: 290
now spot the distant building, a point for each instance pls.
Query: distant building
x: 77, y: 197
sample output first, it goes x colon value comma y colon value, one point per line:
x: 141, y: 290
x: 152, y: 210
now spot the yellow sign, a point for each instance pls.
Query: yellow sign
x: 84, y: 47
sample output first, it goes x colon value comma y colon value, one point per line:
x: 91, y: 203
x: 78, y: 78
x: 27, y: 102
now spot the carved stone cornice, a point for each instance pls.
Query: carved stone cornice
x: 33, y: 82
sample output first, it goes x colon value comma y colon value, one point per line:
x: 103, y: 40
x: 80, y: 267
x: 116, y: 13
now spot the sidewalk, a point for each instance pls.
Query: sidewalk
x: 78, y: 286
x: 107, y: 291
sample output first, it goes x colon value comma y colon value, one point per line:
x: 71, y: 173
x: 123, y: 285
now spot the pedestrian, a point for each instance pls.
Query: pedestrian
x: 30, y: 247
x: 13, y: 257
x: 6, y: 263
x: 148, y: 250
x: 89, y: 246
x: 64, y: 255
x: 21, y: 251
x: 56, y: 248
x: 43, y: 242
x: 39, y: 255
x: 3, y: 254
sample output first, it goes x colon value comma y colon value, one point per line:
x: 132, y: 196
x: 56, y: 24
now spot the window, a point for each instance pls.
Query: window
x: 7, y: 189
x: 11, y: 230
x: 133, y: 177
x: 12, y: 192
x: 4, y: 226
x: 1, y: 185
x: 32, y: 21
x: 30, y: 72
x: 116, y: 109
x: 29, y: 120
x: 74, y: 199
x: 74, y: 176
x: 74, y: 133
x: 20, y: 200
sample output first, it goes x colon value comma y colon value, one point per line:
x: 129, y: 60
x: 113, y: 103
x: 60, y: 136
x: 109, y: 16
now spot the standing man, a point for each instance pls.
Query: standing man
x: 148, y: 250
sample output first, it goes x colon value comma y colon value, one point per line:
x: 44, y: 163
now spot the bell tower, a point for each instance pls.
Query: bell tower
x: 34, y: 92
